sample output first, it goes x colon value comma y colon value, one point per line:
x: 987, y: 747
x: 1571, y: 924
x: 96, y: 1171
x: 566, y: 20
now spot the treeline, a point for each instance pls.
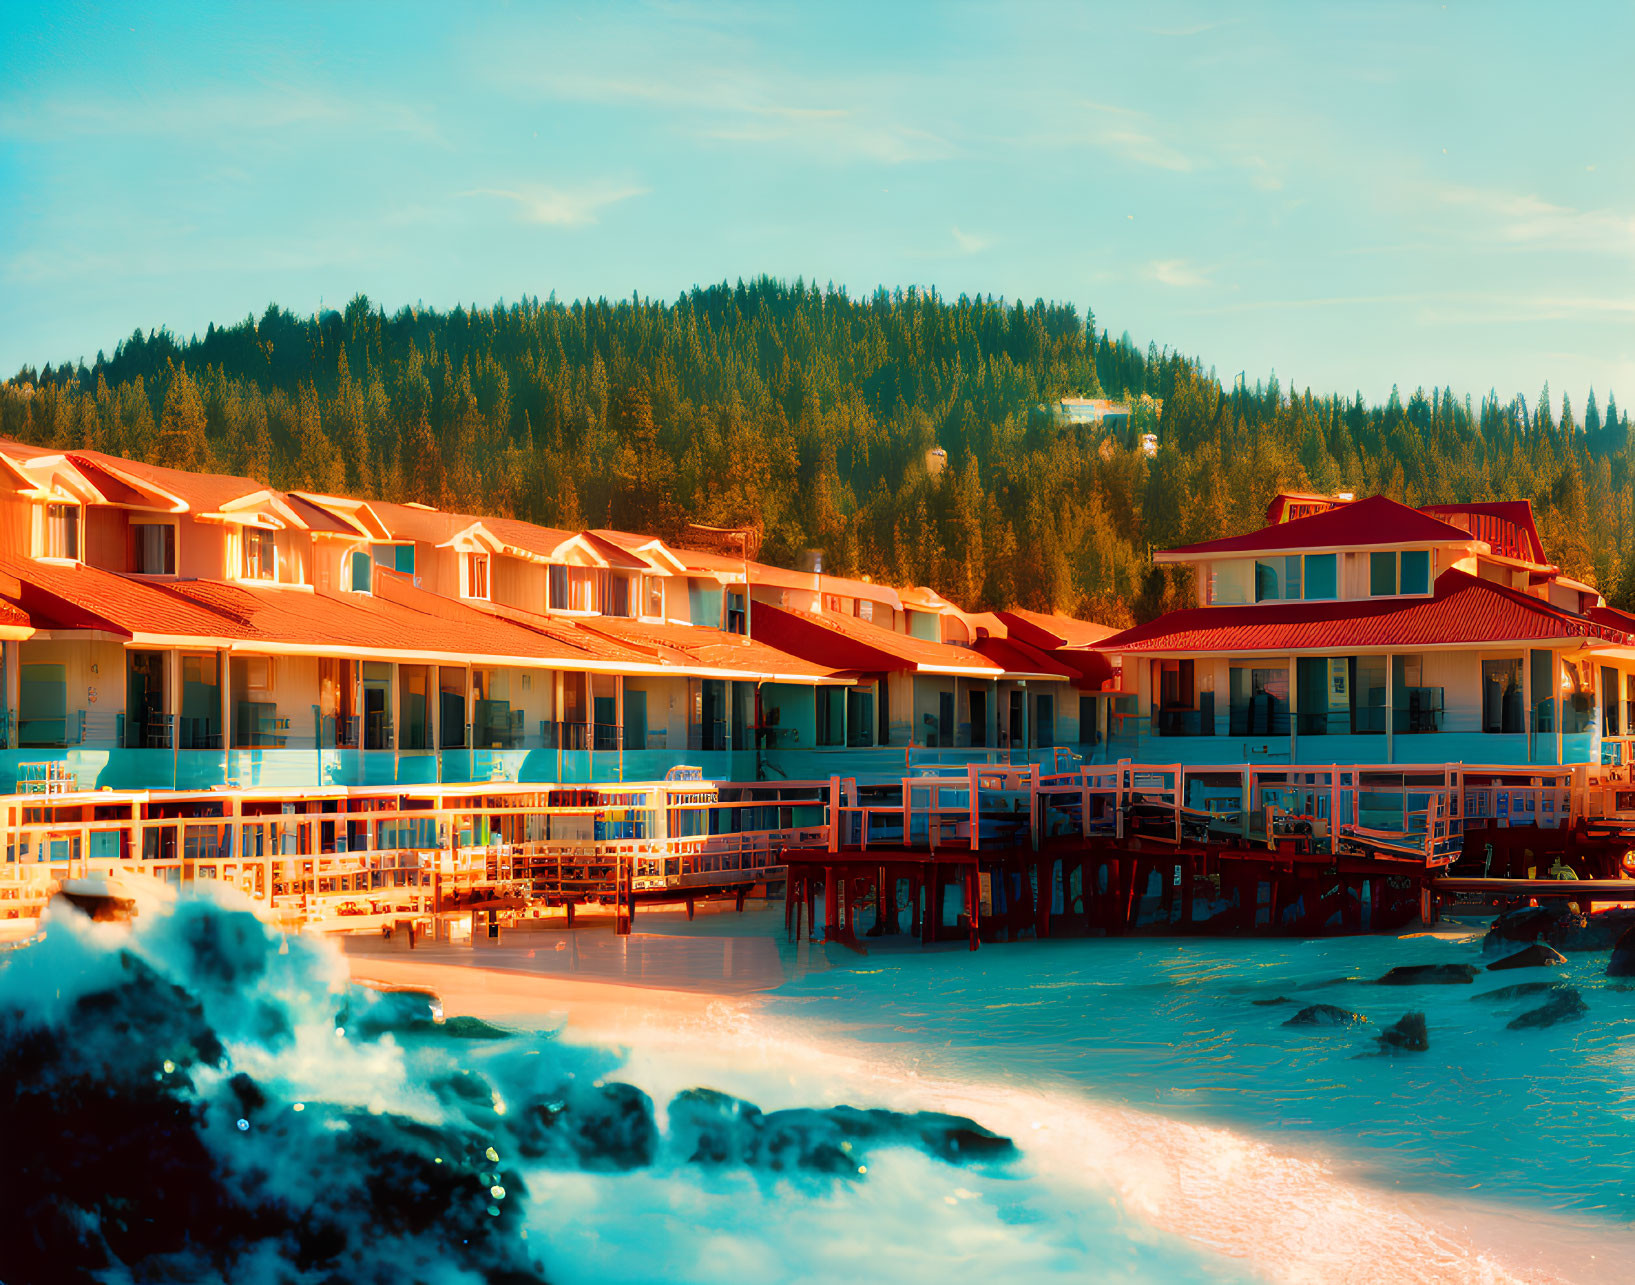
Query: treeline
x: 819, y: 418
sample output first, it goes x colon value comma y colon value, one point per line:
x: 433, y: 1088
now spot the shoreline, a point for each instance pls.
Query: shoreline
x: 1204, y: 1184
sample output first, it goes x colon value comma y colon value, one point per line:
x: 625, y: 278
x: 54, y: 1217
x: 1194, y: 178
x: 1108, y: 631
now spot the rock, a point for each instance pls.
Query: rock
x: 1538, y: 955
x: 1265, y: 1003
x: 1408, y: 1034
x: 1564, y: 1006
x: 1596, y: 932
x: 1516, y: 992
x: 1430, y: 975
x: 1622, y: 963
x: 602, y: 1128
x: 711, y: 1128
x: 1326, y: 1015
x: 1523, y: 924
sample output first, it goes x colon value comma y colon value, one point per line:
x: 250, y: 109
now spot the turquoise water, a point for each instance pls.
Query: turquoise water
x: 1542, y: 1119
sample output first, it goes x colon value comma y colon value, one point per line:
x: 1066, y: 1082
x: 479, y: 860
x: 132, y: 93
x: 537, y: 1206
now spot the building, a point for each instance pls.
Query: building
x: 1100, y: 412
x: 1366, y: 632
x: 169, y: 630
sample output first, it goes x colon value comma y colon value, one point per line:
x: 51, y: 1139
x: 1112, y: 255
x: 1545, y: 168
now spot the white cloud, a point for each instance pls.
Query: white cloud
x: 970, y: 242
x: 1131, y: 134
x: 562, y: 207
x: 1523, y: 219
x: 1178, y: 272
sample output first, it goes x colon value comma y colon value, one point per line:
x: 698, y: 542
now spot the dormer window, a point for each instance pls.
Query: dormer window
x: 476, y: 575
x: 360, y: 571
x: 260, y: 560
x: 153, y: 548
x: 653, y: 597
x: 1408, y: 572
x: 62, y: 531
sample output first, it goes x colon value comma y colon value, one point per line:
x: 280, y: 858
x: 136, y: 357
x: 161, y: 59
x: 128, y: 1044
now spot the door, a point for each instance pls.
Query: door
x: 859, y: 718
x: 945, y: 720
x: 606, y: 711
x: 635, y: 720
x: 1016, y: 726
x: 145, y: 700
x: 42, y: 705
x: 979, y: 718
x: 1044, y: 721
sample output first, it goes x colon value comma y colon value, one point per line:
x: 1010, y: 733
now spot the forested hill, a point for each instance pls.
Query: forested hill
x: 814, y: 415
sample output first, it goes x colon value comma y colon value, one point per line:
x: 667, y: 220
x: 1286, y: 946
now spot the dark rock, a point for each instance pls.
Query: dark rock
x: 1538, y: 955
x: 1408, y: 1034
x: 1523, y: 924
x: 712, y: 1128
x: 1595, y: 932
x: 1326, y: 1015
x: 1430, y: 975
x: 1516, y: 992
x: 1266, y: 1003
x: 1622, y: 963
x: 602, y: 1128
x: 472, y: 1028
x: 1563, y: 1006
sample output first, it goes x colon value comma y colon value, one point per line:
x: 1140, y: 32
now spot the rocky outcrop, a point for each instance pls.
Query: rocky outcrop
x: 1408, y: 1035
x: 1558, y: 925
x: 1622, y: 963
x: 1519, y: 991
x: 1326, y: 1015
x: 1565, y: 1005
x: 1522, y: 925
x: 1430, y: 975
x: 1538, y: 955
x: 1267, y: 1003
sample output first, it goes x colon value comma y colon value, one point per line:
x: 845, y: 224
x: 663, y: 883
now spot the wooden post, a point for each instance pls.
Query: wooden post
x: 831, y: 920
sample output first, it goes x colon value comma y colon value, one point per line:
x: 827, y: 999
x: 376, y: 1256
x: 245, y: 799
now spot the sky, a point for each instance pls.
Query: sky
x: 1352, y: 196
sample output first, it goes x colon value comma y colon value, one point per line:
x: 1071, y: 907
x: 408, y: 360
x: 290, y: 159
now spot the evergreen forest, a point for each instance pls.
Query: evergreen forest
x: 818, y: 419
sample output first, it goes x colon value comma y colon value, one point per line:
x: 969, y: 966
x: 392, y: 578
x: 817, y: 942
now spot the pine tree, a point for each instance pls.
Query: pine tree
x: 181, y: 443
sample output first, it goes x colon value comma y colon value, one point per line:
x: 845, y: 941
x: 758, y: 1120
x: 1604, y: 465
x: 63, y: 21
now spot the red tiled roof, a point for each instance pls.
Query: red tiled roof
x: 1463, y: 610
x: 1372, y: 522
x: 1052, y: 630
x: 1017, y: 657
x: 1518, y: 512
x: 83, y: 597
x: 846, y: 642
x: 202, y: 492
x: 705, y: 647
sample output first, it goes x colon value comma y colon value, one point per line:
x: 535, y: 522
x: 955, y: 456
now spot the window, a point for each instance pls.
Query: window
x: 476, y: 575
x: 615, y: 593
x: 153, y: 548
x: 1230, y: 582
x: 1408, y: 572
x: 735, y: 612
x: 1415, y: 707
x: 399, y: 557
x: 1341, y: 695
x: 653, y: 596
x: 360, y: 571
x: 260, y: 555
x: 1288, y: 579
x: 865, y: 609
x: 1259, y: 701
x: 1501, y: 696
x: 62, y: 531
x: 558, y: 594
x: 1178, y: 708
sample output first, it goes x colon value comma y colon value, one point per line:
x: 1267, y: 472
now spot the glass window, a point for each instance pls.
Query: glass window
x: 260, y: 555
x: 1230, y: 582
x: 558, y: 577
x: 1415, y: 707
x: 153, y: 548
x: 1325, y: 695
x: 1382, y: 574
x: 1368, y: 694
x: 653, y: 596
x: 1416, y: 571
x: 1501, y: 696
x: 1268, y: 579
x: 1259, y: 701
x: 616, y: 595
x: 1322, y: 575
x: 62, y: 531
x: 360, y: 571
x: 476, y: 575
x: 399, y: 557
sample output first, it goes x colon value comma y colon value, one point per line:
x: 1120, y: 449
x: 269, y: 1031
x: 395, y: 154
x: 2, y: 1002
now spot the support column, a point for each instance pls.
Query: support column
x: 173, y: 709
x: 1391, y: 712
x: 618, y: 721
x: 225, y: 660
x: 1294, y: 709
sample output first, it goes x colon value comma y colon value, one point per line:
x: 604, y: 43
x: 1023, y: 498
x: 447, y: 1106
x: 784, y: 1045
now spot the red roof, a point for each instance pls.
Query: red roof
x: 703, y: 647
x: 1372, y: 522
x: 202, y: 492
x: 1463, y: 610
x: 1017, y: 657
x: 1052, y: 630
x: 846, y: 642
x: 1519, y: 513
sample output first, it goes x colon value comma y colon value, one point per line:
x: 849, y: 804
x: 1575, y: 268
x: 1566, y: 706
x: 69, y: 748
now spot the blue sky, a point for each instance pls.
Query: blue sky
x: 1354, y: 196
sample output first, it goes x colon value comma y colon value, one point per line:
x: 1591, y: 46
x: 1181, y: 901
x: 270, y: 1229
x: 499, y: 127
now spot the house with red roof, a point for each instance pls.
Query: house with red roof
x: 1367, y: 632
x: 162, y: 628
